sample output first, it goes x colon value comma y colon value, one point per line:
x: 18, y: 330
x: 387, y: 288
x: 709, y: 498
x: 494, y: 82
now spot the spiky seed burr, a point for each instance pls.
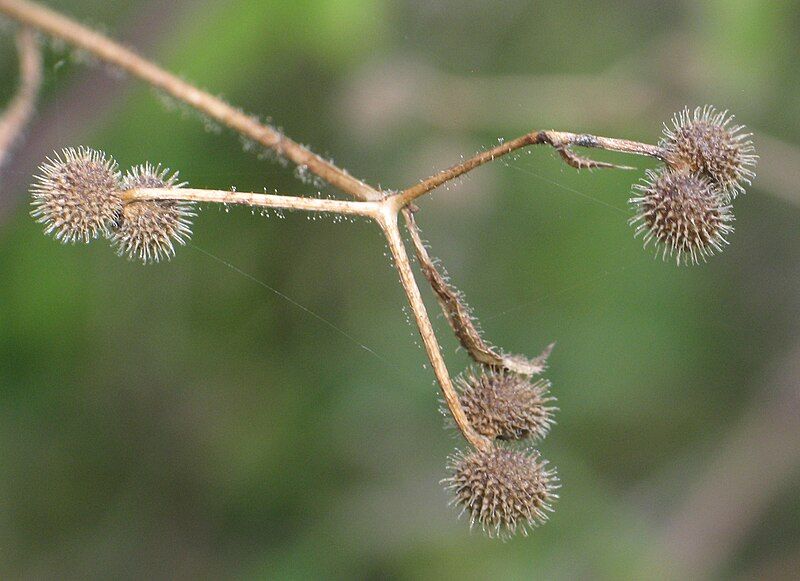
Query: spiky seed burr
x: 504, y: 490
x: 506, y: 406
x: 76, y: 195
x: 682, y: 213
x: 704, y: 141
x: 148, y: 229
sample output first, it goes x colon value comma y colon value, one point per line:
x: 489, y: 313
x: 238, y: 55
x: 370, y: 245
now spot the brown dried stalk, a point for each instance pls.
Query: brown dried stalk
x: 374, y: 204
x: 390, y: 229
x: 385, y: 214
x: 365, y: 209
x: 20, y: 111
x: 460, y: 317
x: 68, y: 30
x: 562, y: 141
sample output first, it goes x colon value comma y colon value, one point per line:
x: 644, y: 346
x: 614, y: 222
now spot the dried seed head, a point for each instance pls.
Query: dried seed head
x: 502, y: 489
x: 148, y: 228
x: 76, y: 195
x: 506, y: 406
x: 682, y: 213
x: 706, y: 143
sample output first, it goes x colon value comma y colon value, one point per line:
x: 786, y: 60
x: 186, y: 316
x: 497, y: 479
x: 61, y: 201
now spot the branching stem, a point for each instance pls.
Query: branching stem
x: 372, y: 202
x: 114, y: 53
x: 388, y: 223
x: 385, y: 214
x: 560, y: 140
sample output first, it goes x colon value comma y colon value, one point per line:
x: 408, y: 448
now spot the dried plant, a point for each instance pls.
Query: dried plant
x: 503, y: 489
x: 704, y: 143
x: 146, y: 230
x: 683, y: 207
x: 683, y: 213
x: 20, y: 110
x: 504, y: 405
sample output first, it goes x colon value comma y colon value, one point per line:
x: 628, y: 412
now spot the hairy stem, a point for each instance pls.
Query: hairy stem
x: 560, y: 140
x: 388, y: 223
x: 20, y: 110
x: 385, y: 213
x: 367, y: 209
x: 459, y: 315
x: 59, y: 26
x: 373, y: 203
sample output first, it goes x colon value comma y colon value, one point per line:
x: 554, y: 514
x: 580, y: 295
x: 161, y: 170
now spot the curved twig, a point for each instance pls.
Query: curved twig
x: 20, y: 111
x: 460, y: 318
x: 560, y: 140
x: 103, y: 47
x: 390, y: 228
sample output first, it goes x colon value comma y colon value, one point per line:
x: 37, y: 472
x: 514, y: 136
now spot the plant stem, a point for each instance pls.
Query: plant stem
x: 367, y: 209
x: 106, y: 49
x: 461, y: 318
x: 20, y: 110
x: 560, y: 140
x: 385, y: 213
x: 388, y: 223
x: 373, y: 203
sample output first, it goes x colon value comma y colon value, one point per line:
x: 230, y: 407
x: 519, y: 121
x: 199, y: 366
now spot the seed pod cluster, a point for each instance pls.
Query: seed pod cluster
x: 79, y: 195
x: 684, y: 208
x: 507, y: 488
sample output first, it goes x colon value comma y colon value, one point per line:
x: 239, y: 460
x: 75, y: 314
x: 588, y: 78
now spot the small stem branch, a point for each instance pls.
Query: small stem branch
x: 388, y: 223
x: 366, y: 209
x: 560, y: 140
x: 460, y: 317
x: 20, y: 110
x: 59, y: 26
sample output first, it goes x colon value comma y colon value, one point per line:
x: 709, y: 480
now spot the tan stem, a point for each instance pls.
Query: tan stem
x: 367, y: 209
x: 109, y: 51
x: 388, y: 223
x: 374, y: 204
x: 461, y: 318
x: 560, y: 140
x: 385, y: 213
x: 21, y: 108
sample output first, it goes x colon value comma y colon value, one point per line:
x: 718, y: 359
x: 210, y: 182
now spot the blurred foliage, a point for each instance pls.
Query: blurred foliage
x: 183, y: 421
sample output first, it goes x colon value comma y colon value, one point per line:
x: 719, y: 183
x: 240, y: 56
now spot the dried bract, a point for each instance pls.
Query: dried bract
x: 463, y: 322
x: 76, y: 195
x: 148, y: 228
x: 705, y: 142
x: 682, y: 213
x: 503, y: 490
x: 506, y: 406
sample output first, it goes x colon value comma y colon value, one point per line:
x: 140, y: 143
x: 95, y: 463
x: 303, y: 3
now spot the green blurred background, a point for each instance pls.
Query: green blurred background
x: 182, y: 421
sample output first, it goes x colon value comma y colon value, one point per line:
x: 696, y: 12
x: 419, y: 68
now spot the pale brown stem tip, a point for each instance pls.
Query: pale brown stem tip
x: 579, y: 162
